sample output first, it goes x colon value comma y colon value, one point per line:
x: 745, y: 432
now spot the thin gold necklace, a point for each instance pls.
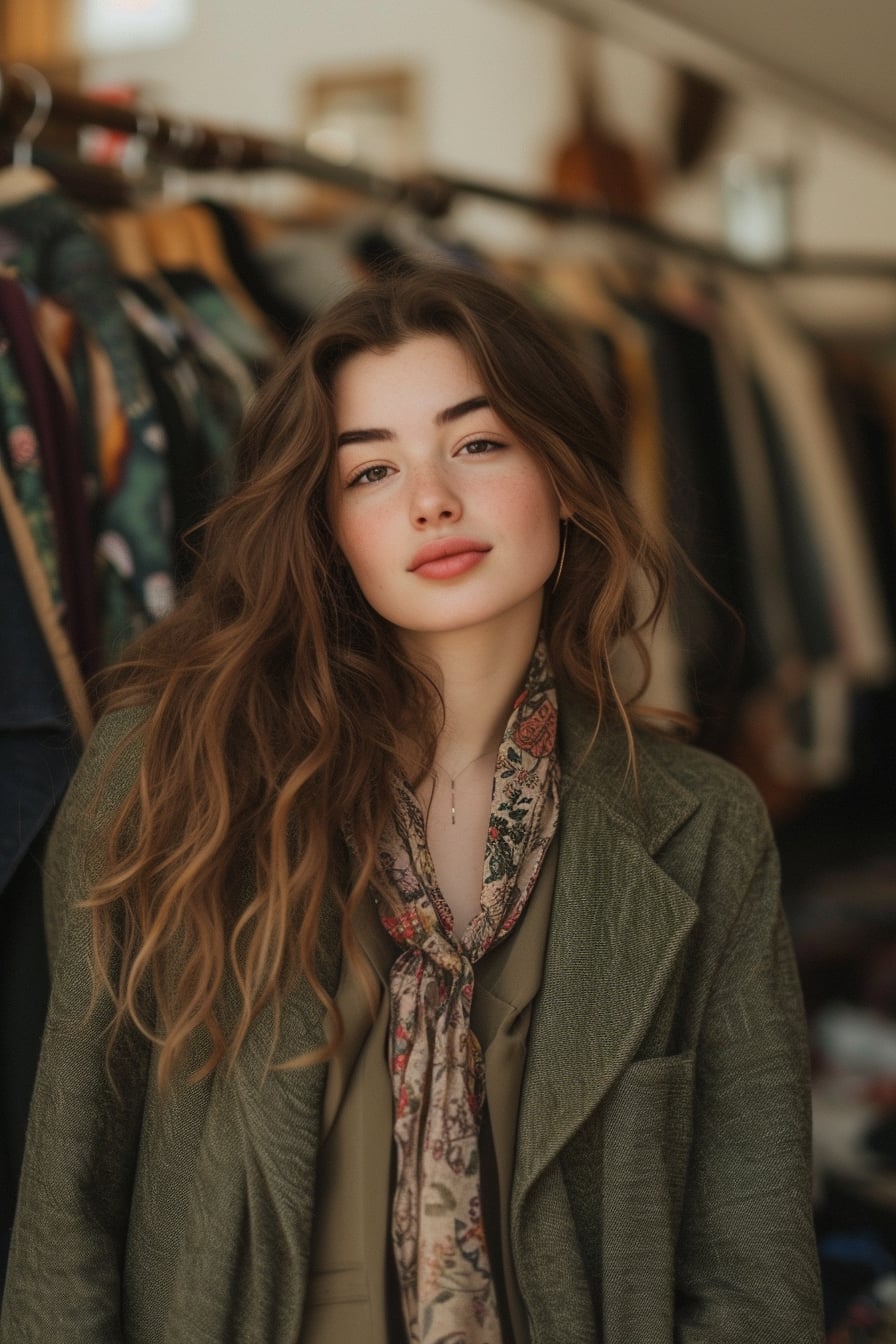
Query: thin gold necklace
x: 452, y: 780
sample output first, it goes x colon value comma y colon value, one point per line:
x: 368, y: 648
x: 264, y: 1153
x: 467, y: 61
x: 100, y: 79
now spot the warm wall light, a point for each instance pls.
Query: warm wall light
x: 128, y: 25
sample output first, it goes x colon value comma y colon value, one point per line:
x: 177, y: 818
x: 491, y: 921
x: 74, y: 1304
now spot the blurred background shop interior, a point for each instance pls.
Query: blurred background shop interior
x: 702, y: 195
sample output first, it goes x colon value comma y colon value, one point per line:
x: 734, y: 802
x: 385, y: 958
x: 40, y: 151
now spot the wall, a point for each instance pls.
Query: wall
x: 490, y: 72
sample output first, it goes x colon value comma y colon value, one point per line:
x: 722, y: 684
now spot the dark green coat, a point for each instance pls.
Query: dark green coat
x: 662, y: 1185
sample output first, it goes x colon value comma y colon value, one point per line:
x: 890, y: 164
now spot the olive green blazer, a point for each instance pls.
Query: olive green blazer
x: 662, y: 1179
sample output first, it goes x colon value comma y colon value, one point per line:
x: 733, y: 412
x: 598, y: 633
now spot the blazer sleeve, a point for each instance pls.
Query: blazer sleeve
x: 65, y: 1269
x: 747, y: 1264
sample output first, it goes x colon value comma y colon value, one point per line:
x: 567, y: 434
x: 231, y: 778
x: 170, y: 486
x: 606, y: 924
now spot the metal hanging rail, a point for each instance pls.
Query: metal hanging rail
x: 28, y: 101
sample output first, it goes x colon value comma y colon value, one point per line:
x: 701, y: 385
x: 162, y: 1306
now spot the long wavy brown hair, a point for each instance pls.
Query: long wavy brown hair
x: 277, y: 704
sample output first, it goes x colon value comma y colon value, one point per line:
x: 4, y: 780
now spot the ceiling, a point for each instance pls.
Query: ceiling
x: 834, y: 58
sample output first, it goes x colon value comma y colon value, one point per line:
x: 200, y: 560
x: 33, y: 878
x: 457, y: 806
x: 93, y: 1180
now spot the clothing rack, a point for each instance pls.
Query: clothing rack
x: 28, y: 101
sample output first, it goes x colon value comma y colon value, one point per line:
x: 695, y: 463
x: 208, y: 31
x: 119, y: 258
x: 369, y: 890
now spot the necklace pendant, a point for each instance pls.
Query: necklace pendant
x: 453, y: 812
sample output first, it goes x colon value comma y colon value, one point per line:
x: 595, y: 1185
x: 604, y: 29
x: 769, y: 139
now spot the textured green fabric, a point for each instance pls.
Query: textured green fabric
x: 662, y: 1182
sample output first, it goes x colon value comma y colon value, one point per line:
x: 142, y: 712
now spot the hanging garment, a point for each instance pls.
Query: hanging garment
x: 215, y: 310
x: 308, y: 265
x: 201, y: 465
x: 45, y: 238
x: 704, y: 514
x: 229, y: 383
x: 755, y: 489
x: 793, y: 383
x: 289, y: 317
x: 22, y: 458
x: 39, y: 751
x: 45, y: 609
x: 222, y: 386
x: 48, y: 437
x: 629, y: 392
x: 778, y: 738
x: 856, y: 383
x: 184, y: 238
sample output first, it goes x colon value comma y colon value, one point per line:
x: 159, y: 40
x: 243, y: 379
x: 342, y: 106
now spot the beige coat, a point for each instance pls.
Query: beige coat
x: 661, y: 1182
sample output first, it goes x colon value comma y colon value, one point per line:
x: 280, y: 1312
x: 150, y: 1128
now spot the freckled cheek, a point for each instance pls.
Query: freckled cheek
x: 528, y: 511
x: 365, y: 544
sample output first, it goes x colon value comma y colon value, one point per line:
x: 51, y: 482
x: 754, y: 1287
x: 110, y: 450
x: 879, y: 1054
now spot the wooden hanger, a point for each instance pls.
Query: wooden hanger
x: 170, y: 238
x: 21, y: 182
x: 183, y: 237
x: 124, y: 235
x: 216, y: 264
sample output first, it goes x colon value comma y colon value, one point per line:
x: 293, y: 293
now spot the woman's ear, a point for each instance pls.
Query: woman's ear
x: 565, y: 512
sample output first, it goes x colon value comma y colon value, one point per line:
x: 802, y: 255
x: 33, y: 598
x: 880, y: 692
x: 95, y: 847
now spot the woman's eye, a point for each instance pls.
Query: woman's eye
x: 477, y: 446
x: 370, y: 475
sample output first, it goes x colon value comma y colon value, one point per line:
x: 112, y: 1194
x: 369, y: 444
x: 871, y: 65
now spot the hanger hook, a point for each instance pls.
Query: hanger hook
x: 187, y: 139
x: 147, y: 123
x: 231, y: 146
x: 134, y: 160
x: 22, y: 152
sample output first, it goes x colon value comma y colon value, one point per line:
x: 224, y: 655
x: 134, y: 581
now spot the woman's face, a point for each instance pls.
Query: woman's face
x: 447, y: 521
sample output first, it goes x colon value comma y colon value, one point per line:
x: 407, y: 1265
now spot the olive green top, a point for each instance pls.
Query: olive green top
x: 661, y: 1183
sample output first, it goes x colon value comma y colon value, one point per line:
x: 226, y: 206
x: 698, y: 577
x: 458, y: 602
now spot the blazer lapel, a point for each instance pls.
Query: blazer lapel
x: 617, y: 926
x: 356, y: 1008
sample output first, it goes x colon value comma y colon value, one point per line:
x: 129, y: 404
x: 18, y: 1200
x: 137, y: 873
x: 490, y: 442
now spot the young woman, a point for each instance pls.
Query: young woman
x: 405, y: 988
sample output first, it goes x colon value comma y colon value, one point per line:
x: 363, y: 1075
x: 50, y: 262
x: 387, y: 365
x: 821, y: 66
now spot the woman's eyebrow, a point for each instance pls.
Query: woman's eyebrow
x: 462, y: 408
x: 443, y: 418
x: 364, y: 436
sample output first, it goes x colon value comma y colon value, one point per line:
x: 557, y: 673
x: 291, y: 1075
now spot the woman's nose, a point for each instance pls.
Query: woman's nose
x: 433, y: 499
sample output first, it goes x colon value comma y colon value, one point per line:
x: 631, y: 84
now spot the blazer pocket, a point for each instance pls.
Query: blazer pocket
x: 646, y: 1131
x: 647, y: 1128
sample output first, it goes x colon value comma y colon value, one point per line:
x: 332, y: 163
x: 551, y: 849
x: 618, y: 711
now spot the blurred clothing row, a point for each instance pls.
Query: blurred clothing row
x: 132, y: 342
x: 770, y: 457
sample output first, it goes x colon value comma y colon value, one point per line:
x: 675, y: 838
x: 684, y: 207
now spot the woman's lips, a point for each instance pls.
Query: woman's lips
x: 447, y: 558
x: 450, y: 565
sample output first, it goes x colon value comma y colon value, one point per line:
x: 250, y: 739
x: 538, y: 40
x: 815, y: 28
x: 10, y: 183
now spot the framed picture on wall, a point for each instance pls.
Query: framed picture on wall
x: 371, y: 117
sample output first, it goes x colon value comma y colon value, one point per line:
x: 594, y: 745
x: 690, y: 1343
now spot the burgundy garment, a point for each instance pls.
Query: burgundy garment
x: 62, y: 461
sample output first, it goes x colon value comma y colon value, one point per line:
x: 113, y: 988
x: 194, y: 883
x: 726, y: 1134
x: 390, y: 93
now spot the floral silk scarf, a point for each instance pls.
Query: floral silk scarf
x: 438, y: 1075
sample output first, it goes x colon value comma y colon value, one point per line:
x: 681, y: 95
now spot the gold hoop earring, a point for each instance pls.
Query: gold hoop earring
x: 559, y: 570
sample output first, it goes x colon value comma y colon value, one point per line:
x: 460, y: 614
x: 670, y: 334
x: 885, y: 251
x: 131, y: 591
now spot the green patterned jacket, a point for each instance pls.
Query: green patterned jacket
x: 662, y: 1178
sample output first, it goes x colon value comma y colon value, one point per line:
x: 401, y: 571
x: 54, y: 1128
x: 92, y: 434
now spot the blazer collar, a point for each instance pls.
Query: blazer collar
x: 646, y: 802
x: 617, y: 926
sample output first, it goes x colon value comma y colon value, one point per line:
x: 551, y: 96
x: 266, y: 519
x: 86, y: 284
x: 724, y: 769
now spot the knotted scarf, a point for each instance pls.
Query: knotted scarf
x: 438, y: 1075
